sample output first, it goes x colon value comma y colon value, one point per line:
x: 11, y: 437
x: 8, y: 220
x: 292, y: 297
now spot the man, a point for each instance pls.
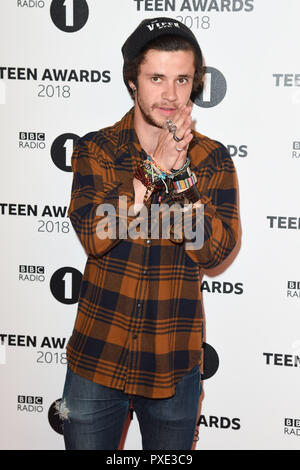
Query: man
x: 137, y: 338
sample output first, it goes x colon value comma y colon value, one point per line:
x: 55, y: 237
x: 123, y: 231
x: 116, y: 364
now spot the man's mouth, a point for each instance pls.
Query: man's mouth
x: 166, y: 109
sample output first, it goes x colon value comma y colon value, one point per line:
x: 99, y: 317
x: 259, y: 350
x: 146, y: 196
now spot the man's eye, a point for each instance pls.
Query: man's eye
x: 156, y: 79
x: 182, y: 80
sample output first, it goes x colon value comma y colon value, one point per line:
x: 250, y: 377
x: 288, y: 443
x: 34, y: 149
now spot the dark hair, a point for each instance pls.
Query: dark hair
x: 163, y: 43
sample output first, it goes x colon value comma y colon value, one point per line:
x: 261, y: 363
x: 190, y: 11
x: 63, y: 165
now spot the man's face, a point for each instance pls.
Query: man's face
x: 164, y: 84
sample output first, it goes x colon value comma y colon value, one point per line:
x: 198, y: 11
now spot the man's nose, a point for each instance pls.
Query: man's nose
x: 169, y: 92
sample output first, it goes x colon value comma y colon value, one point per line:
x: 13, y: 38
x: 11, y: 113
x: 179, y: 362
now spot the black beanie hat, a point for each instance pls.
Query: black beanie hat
x: 153, y: 28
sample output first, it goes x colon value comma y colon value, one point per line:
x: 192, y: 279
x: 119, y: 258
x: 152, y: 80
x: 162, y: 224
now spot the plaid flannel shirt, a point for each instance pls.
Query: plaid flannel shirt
x: 139, y: 325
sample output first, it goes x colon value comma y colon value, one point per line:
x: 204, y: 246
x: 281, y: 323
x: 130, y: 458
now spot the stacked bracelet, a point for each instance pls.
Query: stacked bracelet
x: 183, y: 175
x: 142, y: 175
x: 158, y: 169
x: 155, y: 178
x: 157, y: 173
x: 185, y: 183
x: 191, y: 194
x: 175, y: 173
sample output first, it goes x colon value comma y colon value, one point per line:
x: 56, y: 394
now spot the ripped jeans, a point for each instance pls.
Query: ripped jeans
x: 94, y: 415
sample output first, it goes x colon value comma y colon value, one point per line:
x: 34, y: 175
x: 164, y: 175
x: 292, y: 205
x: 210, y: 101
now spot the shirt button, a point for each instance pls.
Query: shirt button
x: 134, y: 336
x: 148, y: 242
x: 138, y: 305
x: 144, y: 271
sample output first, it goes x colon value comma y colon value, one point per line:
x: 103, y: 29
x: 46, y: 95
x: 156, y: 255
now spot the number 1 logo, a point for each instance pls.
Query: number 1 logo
x: 69, y: 15
x: 69, y: 12
x: 62, y: 149
x: 65, y: 285
x: 214, y: 90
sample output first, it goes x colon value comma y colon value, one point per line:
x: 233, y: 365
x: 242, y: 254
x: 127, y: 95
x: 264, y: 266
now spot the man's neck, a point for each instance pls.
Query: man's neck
x: 147, y: 134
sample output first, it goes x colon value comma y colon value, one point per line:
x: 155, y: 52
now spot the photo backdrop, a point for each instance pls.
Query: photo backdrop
x: 61, y: 77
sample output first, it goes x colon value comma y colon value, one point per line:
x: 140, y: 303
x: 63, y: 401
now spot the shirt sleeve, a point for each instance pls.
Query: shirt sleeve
x: 215, y: 225
x: 99, y: 207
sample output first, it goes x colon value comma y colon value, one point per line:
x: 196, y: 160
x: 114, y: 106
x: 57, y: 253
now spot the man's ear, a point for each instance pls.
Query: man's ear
x: 132, y: 86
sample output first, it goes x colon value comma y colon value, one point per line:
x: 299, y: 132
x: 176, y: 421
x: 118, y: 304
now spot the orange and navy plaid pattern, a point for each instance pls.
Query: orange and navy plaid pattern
x: 139, y: 325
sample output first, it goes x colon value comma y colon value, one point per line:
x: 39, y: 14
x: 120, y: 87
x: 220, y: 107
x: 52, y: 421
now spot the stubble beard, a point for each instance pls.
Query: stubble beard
x: 146, y: 113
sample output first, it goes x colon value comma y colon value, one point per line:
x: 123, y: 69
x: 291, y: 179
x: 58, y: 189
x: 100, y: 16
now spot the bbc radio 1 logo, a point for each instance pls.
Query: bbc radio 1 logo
x: 69, y: 15
x: 293, y: 289
x: 210, y: 361
x: 32, y: 140
x: 65, y: 285
x: 30, y: 3
x: 30, y: 404
x: 296, y: 150
x: 31, y: 273
x: 54, y: 416
x: 62, y: 149
x: 214, y: 89
x: 292, y: 426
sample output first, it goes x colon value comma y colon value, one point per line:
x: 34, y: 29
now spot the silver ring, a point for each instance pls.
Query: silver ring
x: 176, y: 138
x: 172, y: 127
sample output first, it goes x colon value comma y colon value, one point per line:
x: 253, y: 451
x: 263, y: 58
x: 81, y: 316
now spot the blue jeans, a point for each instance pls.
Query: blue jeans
x: 94, y: 416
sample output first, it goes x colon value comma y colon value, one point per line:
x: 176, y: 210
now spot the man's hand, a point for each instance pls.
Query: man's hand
x: 166, y: 153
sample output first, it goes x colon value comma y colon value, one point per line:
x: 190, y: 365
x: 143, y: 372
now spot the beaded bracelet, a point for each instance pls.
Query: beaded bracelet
x: 154, y: 171
x: 151, y: 172
x: 173, y: 174
x: 157, y: 173
x: 185, y: 183
x: 155, y: 164
x: 185, y: 165
x: 154, y: 177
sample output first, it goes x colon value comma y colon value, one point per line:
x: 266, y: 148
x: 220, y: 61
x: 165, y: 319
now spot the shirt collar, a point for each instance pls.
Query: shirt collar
x: 126, y: 131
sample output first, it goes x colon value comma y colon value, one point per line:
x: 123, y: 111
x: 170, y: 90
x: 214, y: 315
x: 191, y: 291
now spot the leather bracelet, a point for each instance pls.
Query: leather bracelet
x: 191, y: 194
x: 183, y: 175
x: 146, y: 180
